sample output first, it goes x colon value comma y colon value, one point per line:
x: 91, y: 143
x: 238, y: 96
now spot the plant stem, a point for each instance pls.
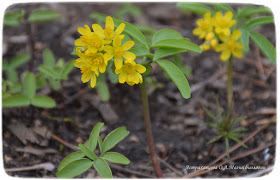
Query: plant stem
x: 148, y: 126
x: 229, y: 83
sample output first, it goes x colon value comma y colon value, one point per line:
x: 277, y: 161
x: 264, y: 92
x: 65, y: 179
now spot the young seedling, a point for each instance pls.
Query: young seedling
x: 55, y: 72
x: 225, y: 126
x: 115, y: 44
x: 27, y: 96
x: 228, y: 31
x: 86, y: 157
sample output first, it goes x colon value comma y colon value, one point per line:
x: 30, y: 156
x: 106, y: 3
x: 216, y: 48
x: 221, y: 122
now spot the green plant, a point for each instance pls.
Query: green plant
x: 225, y: 126
x: 27, y: 96
x: 230, y: 33
x: 15, y: 18
x: 127, y: 9
x: 55, y: 72
x: 80, y: 161
x: 115, y: 44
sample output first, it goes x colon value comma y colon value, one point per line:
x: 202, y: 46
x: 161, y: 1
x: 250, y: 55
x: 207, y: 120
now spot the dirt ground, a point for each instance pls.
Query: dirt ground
x: 179, y: 132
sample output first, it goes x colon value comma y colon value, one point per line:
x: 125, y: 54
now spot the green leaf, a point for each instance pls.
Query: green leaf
x: 247, y: 11
x: 55, y: 84
x: 15, y: 101
x: 12, y: 75
x: 237, y: 140
x: 13, y: 19
x: 60, y: 63
x: 132, y: 31
x: 245, y: 39
x: 19, y: 60
x: 164, y: 52
x: 43, y: 102
x: 90, y: 154
x: 103, y: 90
x: 178, y: 44
x: 70, y: 158
x: 140, y: 51
x: 223, y: 7
x: 113, y: 138
x: 102, y: 168
x: 227, y: 145
x: 51, y: 73
x: 98, y: 17
x: 177, y: 77
x: 197, y: 8
x: 259, y: 21
x: 40, y: 81
x: 67, y: 69
x: 48, y: 58
x: 41, y: 16
x: 5, y: 95
x: 145, y: 28
x: 216, y: 138
x: 265, y: 46
x: 149, y: 69
x: 15, y: 88
x: 29, y: 85
x: 209, y: 114
x: 100, y: 144
x: 74, y: 168
x: 166, y: 34
x: 116, y: 158
x: 94, y: 135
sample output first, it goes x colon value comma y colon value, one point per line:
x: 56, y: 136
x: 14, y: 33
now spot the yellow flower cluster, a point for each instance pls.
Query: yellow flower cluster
x: 216, y: 31
x: 96, y: 48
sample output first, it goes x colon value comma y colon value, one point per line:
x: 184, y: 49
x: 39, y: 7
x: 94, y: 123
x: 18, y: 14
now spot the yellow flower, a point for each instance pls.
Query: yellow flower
x: 118, y: 51
x: 90, y: 40
x: 230, y: 46
x: 108, y: 33
x: 131, y: 73
x: 223, y: 23
x: 205, y: 26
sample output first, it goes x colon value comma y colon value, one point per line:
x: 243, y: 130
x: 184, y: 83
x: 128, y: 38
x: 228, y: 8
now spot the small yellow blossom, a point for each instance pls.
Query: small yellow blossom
x: 131, y: 73
x: 223, y: 23
x: 118, y: 51
x: 108, y: 33
x: 90, y: 40
x: 205, y: 26
x: 230, y: 46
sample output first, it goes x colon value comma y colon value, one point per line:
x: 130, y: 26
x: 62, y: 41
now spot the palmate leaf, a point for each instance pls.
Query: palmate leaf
x: 70, y: 158
x: 74, y: 168
x: 140, y: 51
x: 15, y: 101
x: 166, y: 34
x: 113, y: 138
x: 41, y: 16
x: 177, y: 77
x: 43, y: 102
x: 165, y: 52
x: 102, y: 168
x: 178, y: 44
x: 29, y: 85
x: 116, y: 158
x: 247, y: 11
x: 265, y: 46
x: 90, y: 154
x: 197, y: 8
x: 245, y: 39
x: 259, y: 21
x: 94, y: 136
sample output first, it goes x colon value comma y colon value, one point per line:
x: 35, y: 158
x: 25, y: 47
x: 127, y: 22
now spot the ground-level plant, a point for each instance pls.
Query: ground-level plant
x: 115, y: 43
x: 80, y: 161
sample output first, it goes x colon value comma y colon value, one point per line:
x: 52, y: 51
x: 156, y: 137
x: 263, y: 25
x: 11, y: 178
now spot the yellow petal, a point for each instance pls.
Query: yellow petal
x: 79, y: 42
x: 236, y: 34
x: 84, y: 31
x: 93, y: 81
x: 102, y: 68
x: 117, y: 42
x: 129, y: 55
x: 127, y: 45
x: 122, y: 77
x: 141, y: 69
x: 237, y: 53
x: 109, y: 22
x: 108, y: 56
x: 225, y: 55
x: 98, y: 29
x: 109, y: 49
x: 135, y: 78
x: 85, y: 78
x: 207, y: 15
x: 228, y: 15
x: 218, y: 15
x: 140, y: 78
x: 197, y: 31
x: 120, y: 29
x: 226, y: 31
x: 118, y: 62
